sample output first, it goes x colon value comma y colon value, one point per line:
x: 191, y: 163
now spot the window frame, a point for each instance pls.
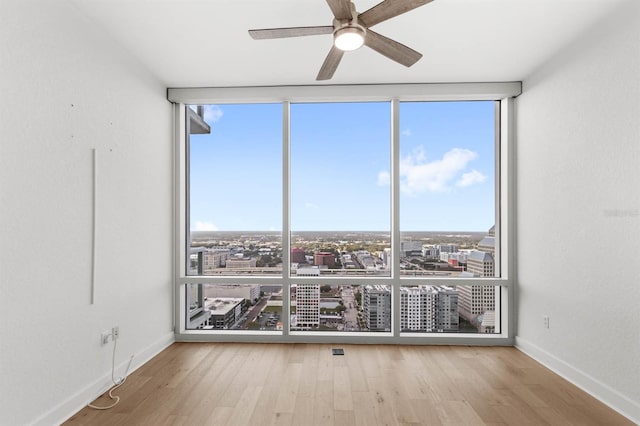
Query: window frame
x: 502, y: 93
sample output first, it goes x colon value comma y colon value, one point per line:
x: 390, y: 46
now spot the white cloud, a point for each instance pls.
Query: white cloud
x: 384, y: 178
x: 470, y: 178
x: 309, y: 205
x: 204, y: 226
x: 407, y: 132
x: 212, y: 113
x: 418, y: 175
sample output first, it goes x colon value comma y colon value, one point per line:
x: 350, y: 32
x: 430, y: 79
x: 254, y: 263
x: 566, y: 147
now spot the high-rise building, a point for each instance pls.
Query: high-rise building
x: 410, y: 248
x: 214, y: 259
x: 417, y: 307
x: 307, y: 306
x: 446, y: 312
x: 297, y: 255
x: 376, y: 307
x: 430, y: 251
x: 481, y: 264
x: 324, y: 258
x: 428, y: 308
x: 448, y: 248
x: 385, y: 255
x: 477, y: 304
x: 488, y: 245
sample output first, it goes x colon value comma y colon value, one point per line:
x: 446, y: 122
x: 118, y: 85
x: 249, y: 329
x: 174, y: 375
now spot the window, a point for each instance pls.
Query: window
x: 235, y: 191
x: 340, y: 213
x: 343, y: 217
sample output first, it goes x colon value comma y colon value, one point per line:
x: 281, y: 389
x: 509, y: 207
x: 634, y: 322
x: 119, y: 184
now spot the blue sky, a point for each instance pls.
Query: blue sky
x: 340, y: 167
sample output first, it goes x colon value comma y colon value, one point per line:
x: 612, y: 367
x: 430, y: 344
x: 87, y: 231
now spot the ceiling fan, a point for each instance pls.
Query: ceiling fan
x: 351, y: 30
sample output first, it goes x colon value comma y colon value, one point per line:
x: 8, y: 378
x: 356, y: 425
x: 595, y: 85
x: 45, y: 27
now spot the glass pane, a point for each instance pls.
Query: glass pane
x: 340, y: 203
x: 347, y: 308
x: 446, y: 309
x: 235, y: 190
x: 447, y: 189
x: 234, y: 307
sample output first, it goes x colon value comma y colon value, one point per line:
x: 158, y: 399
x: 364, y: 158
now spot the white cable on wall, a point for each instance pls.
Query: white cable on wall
x: 119, y: 382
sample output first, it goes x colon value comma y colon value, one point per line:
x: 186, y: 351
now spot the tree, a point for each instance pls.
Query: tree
x: 326, y: 288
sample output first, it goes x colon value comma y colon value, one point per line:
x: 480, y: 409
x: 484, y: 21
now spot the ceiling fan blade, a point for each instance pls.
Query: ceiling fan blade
x: 388, y: 9
x: 268, y: 33
x: 341, y: 9
x: 391, y: 49
x: 330, y: 64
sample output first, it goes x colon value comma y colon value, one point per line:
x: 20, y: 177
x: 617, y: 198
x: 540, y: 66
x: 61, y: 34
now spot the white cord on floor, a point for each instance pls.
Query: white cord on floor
x: 117, y: 383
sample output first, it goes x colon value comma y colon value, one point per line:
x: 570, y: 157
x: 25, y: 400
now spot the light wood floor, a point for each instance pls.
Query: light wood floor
x: 304, y: 384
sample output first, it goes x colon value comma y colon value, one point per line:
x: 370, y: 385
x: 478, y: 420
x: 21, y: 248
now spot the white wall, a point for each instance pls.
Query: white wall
x: 66, y: 89
x: 578, y: 173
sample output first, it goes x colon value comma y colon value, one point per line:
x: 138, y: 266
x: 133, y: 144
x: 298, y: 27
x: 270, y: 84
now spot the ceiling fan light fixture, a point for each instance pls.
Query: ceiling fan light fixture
x: 350, y: 37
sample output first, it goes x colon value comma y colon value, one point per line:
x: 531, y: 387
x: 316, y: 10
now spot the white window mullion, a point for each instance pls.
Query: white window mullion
x: 395, y: 216
x: 180, y: 216
x: 508, y: 214
x: 286, y: 223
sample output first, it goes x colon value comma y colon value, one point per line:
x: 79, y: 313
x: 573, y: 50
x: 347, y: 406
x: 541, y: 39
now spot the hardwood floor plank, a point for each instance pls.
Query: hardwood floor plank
x: 304, y: 384
x: 342, y: 389
x: 344, y: 418
x: 363, y: 408
x: 287, y: 393
x: 323, y: 413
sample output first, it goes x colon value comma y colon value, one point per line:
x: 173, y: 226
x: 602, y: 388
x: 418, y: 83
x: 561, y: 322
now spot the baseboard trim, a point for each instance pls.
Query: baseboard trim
x: 80, y: 399
x: 594, y: 387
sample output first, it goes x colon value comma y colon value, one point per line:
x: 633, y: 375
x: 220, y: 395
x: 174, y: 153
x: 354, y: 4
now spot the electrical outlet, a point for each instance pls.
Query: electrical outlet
x: 546, y: 321
x: 104, y: 337
x: 115, y: 331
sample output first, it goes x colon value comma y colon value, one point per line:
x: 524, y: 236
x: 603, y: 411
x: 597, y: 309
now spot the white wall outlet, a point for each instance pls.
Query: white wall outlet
x: 546, y: 321
x: 112, y: 334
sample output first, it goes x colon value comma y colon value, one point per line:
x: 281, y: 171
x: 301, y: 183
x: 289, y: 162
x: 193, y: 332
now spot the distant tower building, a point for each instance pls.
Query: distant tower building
x: 214, y: 259
x: 417, y: 306
x: 307, y: 306
x: 376, y: 307
x: 245, y: 262
x: 410, y: 248
x: 488, y: 245
x: 385, y: 255
x: 297, y: 255
x: 475, y: 301
x: 324, y: 258
x: 447, y: 248
x: 447, y: 317
x: 481, y: 264
x: 430, y: 251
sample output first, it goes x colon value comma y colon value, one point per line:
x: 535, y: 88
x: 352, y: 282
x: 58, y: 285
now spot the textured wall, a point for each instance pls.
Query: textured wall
x: 66, y: 90
x: 578, y: 172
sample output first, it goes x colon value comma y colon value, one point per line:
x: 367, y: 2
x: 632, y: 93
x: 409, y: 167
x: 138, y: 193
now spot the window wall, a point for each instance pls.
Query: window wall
x: 350, y: 217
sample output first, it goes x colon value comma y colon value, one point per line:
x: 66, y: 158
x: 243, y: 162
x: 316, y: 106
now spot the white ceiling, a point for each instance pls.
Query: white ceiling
x: 196, y: 43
